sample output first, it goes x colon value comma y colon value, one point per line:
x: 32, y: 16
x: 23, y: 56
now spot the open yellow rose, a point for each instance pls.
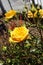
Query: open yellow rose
x: 10, y: 14
x: 19, y: 34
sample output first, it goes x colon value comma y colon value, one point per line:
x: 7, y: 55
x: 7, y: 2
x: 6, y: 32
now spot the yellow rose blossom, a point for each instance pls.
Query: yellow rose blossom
x: 30, y: 14
x: 41, y: 12
x: 19, y: 34
x: 35, y: 14
x: 10, y: 14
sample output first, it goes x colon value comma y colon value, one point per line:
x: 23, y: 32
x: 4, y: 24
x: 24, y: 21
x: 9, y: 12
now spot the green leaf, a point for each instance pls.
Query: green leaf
x: 4, y: 48
x: 41, y: 26
x: 8, y: 60
x: 1, y: 62
x: 27, y: 44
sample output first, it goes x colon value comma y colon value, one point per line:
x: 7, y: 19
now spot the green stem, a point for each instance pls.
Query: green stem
x: 34, y: 19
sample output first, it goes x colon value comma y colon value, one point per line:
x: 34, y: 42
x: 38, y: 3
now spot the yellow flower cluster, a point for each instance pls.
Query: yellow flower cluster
x: 30, y: 14
x: 19, y: 34
x: 10, y: 14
